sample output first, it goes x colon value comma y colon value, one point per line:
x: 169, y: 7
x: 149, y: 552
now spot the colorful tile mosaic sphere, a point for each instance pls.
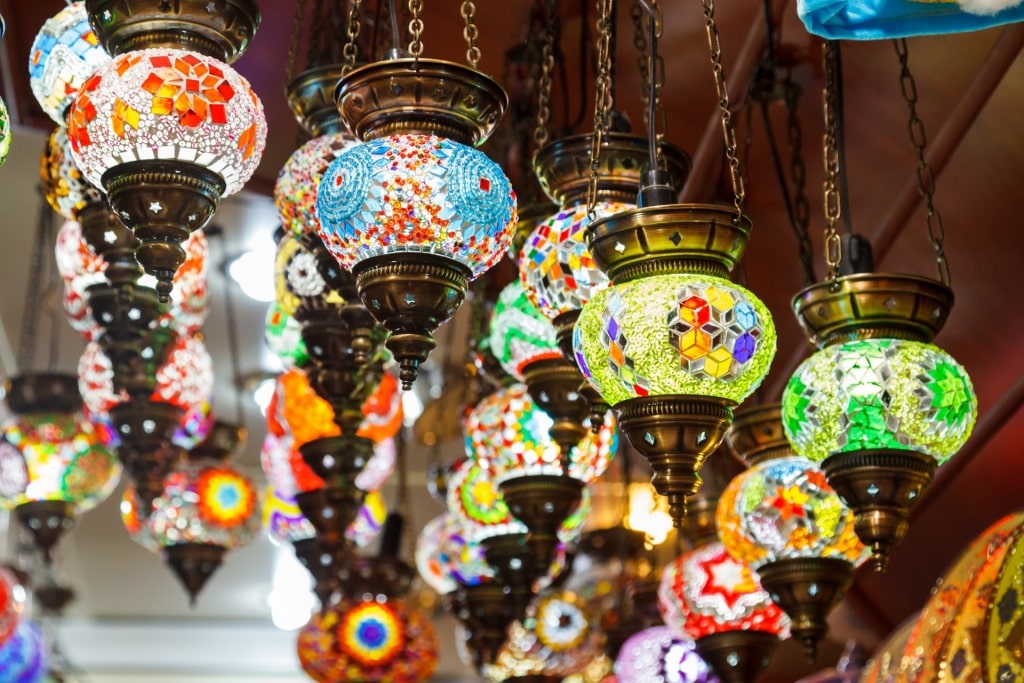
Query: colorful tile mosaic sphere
x: 298, y: 183
x: 417, y: 194
x: 283, y: 336
x: 675, y: 334
x: 879, y: 394
x: 555, y: 264
x: 203, y: 501
x: 5, y: 132
x: 368, y: 641
x: 24, y: 658
x: 658, y: 654
x: 12, y: 604
x: 285, y: 522
x: 784, y: 508
x: 65, y: 457
x: 65, y: 188
x: 64, y: 54
x: 168, y: 104
x: 519, y: 332
x: 707, y: 591
x: 448, y: 557
x: 507, y: 434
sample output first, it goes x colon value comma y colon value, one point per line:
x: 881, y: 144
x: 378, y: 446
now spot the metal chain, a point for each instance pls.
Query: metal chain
x: 722, y: 89
x: 470, y: 33
x: 925, y: 174
x: 830, y: 152
x: 416, y: 29
x: 798, y: 175
x: 36, y: 285
x: 603, y: 102
x: 547, y: 64
x: 293, y: 47
x: 351, y: 49
x: 637, y: 14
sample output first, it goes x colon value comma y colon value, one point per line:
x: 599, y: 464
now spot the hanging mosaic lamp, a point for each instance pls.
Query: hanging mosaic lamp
x: 64, y: 54
x: 65, y: 188
x: 884, y: 666
x: 168, y: 127
x: 658, y: 654
x: 298, y: 183
x: 283, y: 336
x: 416, y: 215
x: 878, y: 405
x: 207, y: 508
x: 54, y: 463
x: 24, y: 657
x: 781, y: 518
x: 12, y: 603
x: 447, y: 556
x: 284, y: 522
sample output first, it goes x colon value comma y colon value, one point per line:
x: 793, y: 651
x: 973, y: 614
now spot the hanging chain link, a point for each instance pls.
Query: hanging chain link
x: 602, y: 99
x: 547, y: 65
x: 293, y: 46
x: 798, y: 175
x: 416, y: 29
x: 722, y: 89
x: 925, y: 174
x: 637, y: 15
x: 830, y: 151
x: 470, y: 33
x: 353, y: 35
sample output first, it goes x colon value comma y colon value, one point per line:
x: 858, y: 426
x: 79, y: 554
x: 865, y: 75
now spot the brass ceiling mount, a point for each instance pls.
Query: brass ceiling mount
x: 756, y: 434
x: 880, y: 486
x: 46, y: 521
x: 676, y: 433
x: 691, y: 238
x: 563, y: 167
x: 194, y: 564
x: 542, y: 503
x: 871, y: 305
x: 218, y: 28
x: 311, y: 98
x: 807, y: 589
x: 737, y: 656
x: 554, y: 385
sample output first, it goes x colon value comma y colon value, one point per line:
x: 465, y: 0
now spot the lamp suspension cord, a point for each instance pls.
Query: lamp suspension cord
x: 830, y: 154
x: 603, y: 101
x: 925, y: 174
x: 722, y: 89
x: 393, y: 25
x: 652, y: 78
x: 231, y: 323
x: 352, y: 30
x: 36, y: 286
x: 547, y: 63
x: 415, y: 30
x: 470, y: 33
x: 839, y: 111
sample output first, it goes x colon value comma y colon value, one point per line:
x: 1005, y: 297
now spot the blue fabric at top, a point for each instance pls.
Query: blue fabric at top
x: 878, y: 19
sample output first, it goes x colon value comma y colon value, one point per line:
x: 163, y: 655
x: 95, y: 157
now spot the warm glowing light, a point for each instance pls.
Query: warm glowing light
x: 648, y: 512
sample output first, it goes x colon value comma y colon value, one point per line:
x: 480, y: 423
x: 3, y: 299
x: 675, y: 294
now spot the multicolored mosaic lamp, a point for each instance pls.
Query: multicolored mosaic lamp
x: 5, y: 132
x: 207, y: 508
x: 658, y: 654
x: 884, y: 666
x: 416, y: 215
x: 64, y: 54
x: 283, y: 336
x: 54, y: 463
x: 65, y: 188
x: 168, y: 127
x: 447, y: 556
x: 12, y: 603
x: 24, y: 657
x: 520, y: 335
x: 298, y: 183
x: 878, y: 405
x: 782, y: 519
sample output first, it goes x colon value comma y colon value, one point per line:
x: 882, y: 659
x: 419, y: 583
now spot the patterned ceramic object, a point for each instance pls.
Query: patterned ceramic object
x: 520, y: 334
x: 706, y: 591
x: 675, y: 334
x: 298, y: 183
x: 508, y: 435
x: 23, y: 658
x: 658, y: 654
x: 447, y: 557
x: 63, y: 55
x: 555, y: 265
x: 56, y: 457
x: 784, y: 508
x: 371, y: 641
x: 64, y: 186
x: 283, y: 336
x: 417, y: 194
x: 168, y: 104
x: 879, y: 393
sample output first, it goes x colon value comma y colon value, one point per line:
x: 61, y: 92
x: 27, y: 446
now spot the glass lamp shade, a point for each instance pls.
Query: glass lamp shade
x: 675, y: 334
x: 5, y: 132
x: 706, y: 591
x: 185, y: 380
x: 520, y: 334
x: 168, y: 104
x: 368, y: 641
x: 12, y: 604
x: 783, y: 508
x: 64, y: 54
x: 81, y: 267
x: 65, y: 188
x: 23, y: 658
x: 447, y: 557
x: 283, y: 336
x: 203, y: 501
x: 555, y: 264
x: 297, y: 276
x: 77, y: 311
x: 56, y: 457
x: 658, y: 654
x: 285, y: 522
x: 508, y: 434
x: 879, y: 394
x: 417, y: 194
x: 298, y: 183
